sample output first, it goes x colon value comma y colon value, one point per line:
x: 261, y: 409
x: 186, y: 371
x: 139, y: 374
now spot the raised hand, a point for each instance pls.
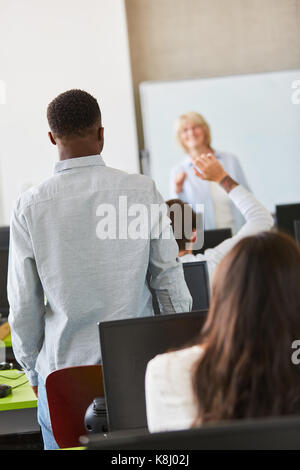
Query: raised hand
x: 212, y: 170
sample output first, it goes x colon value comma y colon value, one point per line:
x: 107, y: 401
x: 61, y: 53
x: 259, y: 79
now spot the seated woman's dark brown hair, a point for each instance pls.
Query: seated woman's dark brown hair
x: 246, y: 370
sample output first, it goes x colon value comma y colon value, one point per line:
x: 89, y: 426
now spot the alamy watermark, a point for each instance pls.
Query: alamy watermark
x: 295, y: 358
x: 138, y: 221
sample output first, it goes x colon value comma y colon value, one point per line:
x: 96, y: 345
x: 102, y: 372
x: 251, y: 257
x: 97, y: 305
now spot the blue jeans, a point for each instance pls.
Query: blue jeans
x: 44, y: 418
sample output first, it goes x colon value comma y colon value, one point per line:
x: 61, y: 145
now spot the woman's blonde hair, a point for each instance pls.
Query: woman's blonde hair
x: 193, y: 118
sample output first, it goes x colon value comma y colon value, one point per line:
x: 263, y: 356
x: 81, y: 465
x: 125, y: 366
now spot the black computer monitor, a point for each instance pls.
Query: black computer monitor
x: 4, y: 306
x: 196, y: 277
x: 213, y: 238
x: 286, y: 214
x: 126, y: 348
x: 4, y: 237
x: 278, y: 433
x: 297, y: 230
x: 197, y: 280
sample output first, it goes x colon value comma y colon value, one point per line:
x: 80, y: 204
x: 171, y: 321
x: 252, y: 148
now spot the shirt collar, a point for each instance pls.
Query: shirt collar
x: 78, y: 162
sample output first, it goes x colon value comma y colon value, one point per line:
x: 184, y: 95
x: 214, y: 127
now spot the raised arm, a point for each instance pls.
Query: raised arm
x: 257, y: 217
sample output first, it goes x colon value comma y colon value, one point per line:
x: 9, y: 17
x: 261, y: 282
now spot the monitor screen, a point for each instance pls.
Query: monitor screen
x: 4, y: 237
x: 213, y: 238
x: 4, y: 307
x: 126, y: 348
x: 286, y: 214
x: 196, y: 278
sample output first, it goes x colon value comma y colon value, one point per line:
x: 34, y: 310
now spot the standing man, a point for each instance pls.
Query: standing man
x: 70, y: 267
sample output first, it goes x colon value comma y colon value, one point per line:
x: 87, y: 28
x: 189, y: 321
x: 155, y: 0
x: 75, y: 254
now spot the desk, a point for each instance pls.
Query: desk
x: 18, y: 411
x: 19, y: 428
x: 7, y: 341
x: 8, y: 355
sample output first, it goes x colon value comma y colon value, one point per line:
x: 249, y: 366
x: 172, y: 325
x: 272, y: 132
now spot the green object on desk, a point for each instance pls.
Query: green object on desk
x: 7, y: 341
x: 21, y: 397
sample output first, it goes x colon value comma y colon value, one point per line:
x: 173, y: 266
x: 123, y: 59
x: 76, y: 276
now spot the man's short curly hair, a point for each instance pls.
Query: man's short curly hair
x: 73, y: 112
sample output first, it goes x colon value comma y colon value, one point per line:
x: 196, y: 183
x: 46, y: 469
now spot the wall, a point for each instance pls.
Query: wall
x: 47, y: 48
x: 179, y: 39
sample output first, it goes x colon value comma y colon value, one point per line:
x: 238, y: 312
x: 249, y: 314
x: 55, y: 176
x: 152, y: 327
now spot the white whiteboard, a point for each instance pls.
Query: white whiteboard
x: 255, y: 117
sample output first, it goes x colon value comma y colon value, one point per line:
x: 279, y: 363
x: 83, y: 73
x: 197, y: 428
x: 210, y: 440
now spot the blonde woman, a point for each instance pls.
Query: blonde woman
x: 194, y: 137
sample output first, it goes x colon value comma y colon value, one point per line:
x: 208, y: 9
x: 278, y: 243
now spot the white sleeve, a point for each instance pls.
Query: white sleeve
x: 170, y: 402
x: 257, y: 217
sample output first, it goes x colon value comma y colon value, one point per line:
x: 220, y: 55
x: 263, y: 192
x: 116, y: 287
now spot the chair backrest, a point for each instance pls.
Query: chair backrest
x: 69, y: 392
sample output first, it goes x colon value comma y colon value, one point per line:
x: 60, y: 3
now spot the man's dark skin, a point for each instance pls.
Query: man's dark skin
x: 75, y: 146
x: 78, y: 146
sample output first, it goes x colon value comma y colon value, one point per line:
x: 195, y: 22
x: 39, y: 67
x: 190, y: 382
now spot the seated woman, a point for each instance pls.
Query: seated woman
x: 241, y: 366
x: 194, y: 137
x: 257, y: 218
